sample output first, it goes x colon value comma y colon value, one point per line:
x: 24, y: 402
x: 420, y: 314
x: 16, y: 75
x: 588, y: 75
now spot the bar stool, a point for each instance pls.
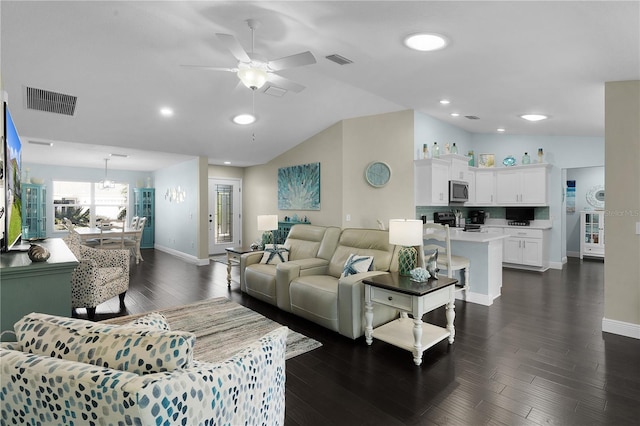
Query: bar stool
x: 437, y: 236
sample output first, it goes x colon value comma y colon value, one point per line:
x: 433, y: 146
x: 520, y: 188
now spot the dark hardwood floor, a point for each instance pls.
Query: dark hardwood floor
x: 536, y: 356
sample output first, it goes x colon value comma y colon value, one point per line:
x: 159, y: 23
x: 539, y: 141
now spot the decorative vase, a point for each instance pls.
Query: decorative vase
x: 267, y: 238
x: 38, y: 253
x: 406, y: 260
x: 435, y: 151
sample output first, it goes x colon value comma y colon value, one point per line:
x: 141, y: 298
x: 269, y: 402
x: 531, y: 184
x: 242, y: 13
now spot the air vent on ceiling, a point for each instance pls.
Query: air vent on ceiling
x: 472, y: 117
x: 275, y: 91
x: 119, y: 155
x: 45, y: 100
x: 340, y: 60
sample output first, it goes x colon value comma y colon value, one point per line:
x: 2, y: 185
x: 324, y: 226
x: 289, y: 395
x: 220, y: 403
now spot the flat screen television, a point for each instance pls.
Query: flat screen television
x: 520, y: 214
x: 11, y: 173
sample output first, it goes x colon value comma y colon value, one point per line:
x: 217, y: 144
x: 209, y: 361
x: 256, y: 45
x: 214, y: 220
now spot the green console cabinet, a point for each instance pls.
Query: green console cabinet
x: 43, y: 287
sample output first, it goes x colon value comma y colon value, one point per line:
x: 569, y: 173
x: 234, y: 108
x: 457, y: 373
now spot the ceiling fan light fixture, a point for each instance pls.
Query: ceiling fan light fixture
x: 253, y: 78
x: 244, y: 119
x: 426, y: 42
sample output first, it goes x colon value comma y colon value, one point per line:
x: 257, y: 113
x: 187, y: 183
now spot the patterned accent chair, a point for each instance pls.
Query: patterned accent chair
x: 99, y: 276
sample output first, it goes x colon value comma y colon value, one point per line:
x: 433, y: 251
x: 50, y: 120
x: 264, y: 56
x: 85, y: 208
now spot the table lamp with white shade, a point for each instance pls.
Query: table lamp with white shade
x: 268, y: 223
x: 406, y: 233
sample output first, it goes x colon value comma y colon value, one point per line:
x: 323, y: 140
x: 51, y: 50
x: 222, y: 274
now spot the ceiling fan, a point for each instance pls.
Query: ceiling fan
x: 254, y: 70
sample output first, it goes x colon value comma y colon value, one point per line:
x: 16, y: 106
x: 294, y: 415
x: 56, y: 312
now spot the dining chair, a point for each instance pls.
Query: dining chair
x: 437, y: 237
x: 133, y: 243
x: 112, y: 237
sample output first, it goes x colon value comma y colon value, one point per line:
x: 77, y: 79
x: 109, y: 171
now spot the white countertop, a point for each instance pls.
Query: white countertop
x: 484, y: 236
x: 502, y: 223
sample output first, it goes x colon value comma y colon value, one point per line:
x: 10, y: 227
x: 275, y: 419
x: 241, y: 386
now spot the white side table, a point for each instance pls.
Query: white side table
x: 399, y: 292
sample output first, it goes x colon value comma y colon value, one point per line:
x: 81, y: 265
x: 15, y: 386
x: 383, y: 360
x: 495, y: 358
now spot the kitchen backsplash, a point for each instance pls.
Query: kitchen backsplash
x: 541, y: 213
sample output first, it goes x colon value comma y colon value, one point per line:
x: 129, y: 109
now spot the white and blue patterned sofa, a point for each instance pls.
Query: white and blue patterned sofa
x: 64, y: 371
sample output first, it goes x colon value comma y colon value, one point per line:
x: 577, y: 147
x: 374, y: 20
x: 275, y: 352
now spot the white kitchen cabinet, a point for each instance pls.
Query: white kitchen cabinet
x: 524, y: 247
x: 459, y: 167
x: 592, y: 233
x: 522, y: 185
x: 485, y: 187
x: 431, y: 182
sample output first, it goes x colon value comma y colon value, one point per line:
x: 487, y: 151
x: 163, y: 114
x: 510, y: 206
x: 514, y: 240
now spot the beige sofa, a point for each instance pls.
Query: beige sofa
x: 310, y: 283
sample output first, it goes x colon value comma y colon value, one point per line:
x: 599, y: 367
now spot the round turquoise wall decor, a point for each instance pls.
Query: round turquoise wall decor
x: 377, y: 174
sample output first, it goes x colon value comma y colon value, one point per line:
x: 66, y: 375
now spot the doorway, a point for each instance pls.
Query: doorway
x: 225, y: 214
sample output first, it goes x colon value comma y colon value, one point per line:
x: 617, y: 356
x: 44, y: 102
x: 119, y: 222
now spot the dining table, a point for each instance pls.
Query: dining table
x: 98, y: 233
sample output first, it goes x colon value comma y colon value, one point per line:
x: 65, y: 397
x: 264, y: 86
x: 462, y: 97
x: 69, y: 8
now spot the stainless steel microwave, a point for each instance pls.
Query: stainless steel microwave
x: 458, y: 191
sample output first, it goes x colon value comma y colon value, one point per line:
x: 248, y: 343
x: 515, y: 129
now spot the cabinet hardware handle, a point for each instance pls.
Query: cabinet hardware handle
x: 390, y: 297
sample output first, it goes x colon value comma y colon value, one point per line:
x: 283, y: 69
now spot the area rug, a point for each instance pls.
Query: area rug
x: 223, y: 328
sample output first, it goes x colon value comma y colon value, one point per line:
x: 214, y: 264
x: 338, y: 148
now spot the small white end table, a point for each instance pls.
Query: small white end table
x: 415, y: 298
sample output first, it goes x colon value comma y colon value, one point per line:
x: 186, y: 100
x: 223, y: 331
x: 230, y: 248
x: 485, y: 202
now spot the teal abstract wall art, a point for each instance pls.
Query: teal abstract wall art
x: 299, y: 187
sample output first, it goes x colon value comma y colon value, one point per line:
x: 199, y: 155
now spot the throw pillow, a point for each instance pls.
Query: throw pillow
x: 356, y: 264
x: 134, y: 349
x: 431, y: 263
x: 275, y: 254
x: 154, y: 320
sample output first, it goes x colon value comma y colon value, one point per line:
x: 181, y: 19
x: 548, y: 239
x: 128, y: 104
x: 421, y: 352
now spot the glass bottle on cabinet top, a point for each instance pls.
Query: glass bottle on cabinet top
x: 144, y: 206
x: 34, y: 218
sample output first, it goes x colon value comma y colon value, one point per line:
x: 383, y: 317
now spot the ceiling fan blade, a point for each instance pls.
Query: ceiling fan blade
x: 208, y: 68
x: 297, y: 60
x: 284, y: 83
x: 234, y: 47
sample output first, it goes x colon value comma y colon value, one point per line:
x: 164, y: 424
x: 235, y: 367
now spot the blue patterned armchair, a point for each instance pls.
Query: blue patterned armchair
x: 99, y: 276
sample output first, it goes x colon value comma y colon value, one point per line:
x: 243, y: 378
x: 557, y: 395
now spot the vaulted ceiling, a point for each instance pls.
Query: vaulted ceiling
x: 123, y: 61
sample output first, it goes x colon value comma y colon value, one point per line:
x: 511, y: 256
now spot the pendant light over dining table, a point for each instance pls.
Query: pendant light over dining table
x: 106, y: 183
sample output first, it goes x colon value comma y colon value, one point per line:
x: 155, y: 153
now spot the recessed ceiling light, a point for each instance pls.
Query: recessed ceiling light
x: 244, y: 119
x: 166, y: 112
x: 501, y: 129
x: 227, y: 162
x: 425, y: 42
x: 445, y: 101
x: 455, y: 114
x: 534, y: 117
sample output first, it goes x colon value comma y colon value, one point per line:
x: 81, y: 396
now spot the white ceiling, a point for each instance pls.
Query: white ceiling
x: 123, y: 62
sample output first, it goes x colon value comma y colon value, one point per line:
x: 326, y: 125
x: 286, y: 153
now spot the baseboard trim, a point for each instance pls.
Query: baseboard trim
x: 184, y: 256
x: 480, y: 299
x: 557, y: 265
x: 573, y: 253
x: 621, y: 328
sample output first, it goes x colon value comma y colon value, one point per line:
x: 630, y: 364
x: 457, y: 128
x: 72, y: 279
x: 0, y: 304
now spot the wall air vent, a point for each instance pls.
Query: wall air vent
x: 340, y: 60
x: 45, y: 100
x: 472, y: 117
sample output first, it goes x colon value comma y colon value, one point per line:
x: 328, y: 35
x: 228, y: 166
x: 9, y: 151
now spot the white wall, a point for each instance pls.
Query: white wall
x: 177, y: 224
x: 586, y: 178
x: 429, y: 130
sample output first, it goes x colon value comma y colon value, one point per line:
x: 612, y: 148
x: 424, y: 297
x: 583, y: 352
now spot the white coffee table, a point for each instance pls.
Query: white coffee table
x: 409, y: 297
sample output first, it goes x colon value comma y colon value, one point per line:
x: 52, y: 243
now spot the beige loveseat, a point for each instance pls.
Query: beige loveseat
x: 310, y: 283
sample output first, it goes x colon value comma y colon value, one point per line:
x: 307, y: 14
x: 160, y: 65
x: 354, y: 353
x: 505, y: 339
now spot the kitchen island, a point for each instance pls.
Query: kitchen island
x: 484, y: 251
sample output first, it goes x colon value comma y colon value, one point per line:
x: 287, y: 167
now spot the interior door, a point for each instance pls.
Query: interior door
x: 225, y: 214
